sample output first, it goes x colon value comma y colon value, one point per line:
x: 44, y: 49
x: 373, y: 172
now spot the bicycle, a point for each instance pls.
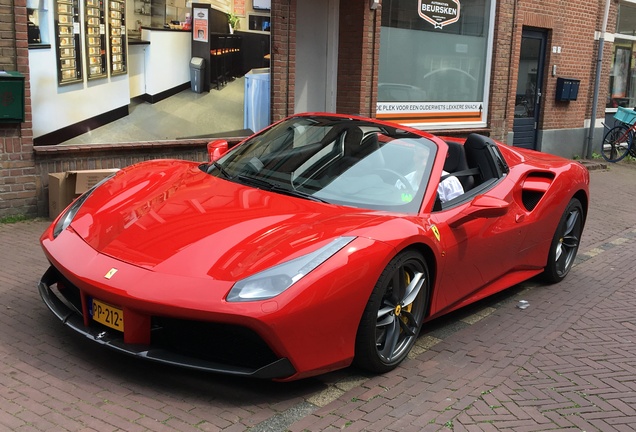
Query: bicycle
x: 618, y: 141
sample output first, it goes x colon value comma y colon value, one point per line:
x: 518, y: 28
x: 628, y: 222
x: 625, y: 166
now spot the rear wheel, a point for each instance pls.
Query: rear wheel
x: 616, y: 143
x: 565, y: 243
x: 394, y: 314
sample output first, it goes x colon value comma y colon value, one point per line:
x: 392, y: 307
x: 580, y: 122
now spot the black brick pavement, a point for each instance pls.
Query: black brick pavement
x: 568, y: 362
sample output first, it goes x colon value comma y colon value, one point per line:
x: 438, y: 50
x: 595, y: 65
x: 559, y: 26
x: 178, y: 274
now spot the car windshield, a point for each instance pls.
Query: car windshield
x: 335, y: 160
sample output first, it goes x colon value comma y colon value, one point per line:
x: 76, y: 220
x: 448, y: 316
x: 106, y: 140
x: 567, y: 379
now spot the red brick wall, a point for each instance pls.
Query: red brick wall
x: 62, y: 158
x: 504, y: 68
x: 569, y: 25
x: 283, y: 58
x: 18, y: 182
x: 358, y: 58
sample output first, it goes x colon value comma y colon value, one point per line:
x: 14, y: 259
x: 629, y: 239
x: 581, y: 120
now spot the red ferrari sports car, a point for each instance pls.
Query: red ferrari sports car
x: 322, y: 241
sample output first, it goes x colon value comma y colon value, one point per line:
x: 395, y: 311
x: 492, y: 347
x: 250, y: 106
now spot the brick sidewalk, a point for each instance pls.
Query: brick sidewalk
x: 566, y: 362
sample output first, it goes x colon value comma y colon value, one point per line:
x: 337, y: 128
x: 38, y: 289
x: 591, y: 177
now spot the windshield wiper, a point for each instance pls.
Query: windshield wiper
x: 256, y: 182
x: 272, y: 187
x: 218, y: 166
x: 297, y: 193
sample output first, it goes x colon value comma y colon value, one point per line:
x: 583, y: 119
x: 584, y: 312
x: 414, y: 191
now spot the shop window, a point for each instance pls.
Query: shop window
x: 622, y: 81
x: 435, y: 62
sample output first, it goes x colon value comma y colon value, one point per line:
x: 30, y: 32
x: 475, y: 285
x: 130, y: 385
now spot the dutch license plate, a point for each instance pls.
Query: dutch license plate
x: 108, y: 315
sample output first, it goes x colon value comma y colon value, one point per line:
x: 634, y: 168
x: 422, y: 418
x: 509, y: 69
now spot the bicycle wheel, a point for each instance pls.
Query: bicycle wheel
x: 616, y: 143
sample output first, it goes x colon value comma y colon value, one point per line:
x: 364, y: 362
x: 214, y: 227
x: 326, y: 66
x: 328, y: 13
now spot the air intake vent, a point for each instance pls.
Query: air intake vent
x: 531, y: 199
x: 534, y: 188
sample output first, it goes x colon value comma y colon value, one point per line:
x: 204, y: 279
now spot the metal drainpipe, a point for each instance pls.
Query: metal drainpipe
x: 597, y: 81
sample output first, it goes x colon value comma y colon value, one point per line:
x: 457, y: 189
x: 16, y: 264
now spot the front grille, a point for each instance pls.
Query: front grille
x: 216, y: 342
x: 214, y: 347
x: 226, y: 344
x: 68, y: 293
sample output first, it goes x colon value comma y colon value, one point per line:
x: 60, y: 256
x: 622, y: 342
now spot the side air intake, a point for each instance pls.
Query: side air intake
x: 534, y: 188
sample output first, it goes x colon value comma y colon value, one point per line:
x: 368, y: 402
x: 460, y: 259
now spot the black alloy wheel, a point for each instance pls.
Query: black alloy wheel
x: 394, y: 314
x: 565, y: 243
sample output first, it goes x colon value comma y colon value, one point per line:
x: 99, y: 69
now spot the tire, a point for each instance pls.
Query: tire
x: 616, y: 143
x: 565, y: 243
x: 393, y: 317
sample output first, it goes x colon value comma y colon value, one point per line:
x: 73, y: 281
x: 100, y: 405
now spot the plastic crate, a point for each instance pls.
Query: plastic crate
x: 625, y: 115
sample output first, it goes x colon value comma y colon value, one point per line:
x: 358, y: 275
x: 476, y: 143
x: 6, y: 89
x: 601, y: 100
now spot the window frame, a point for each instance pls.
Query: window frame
x: 463, y: 115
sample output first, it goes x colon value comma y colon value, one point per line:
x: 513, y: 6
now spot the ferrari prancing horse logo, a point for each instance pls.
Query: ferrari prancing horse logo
x: 110, y: 273
x: 435, y: 232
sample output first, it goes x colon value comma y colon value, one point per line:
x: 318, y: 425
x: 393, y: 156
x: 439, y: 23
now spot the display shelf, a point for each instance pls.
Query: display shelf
x: 117, y: 36
x: 67, y: 42
x: 95, y: 39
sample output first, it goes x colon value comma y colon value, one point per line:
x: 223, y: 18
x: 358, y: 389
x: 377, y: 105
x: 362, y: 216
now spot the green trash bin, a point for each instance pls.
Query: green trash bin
x: 11, y: 97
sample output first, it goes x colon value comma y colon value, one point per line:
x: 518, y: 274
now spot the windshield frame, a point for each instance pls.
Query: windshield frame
x: 310, y: 157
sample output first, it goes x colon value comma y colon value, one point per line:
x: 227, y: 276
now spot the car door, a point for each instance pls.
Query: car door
x: 478, y: 251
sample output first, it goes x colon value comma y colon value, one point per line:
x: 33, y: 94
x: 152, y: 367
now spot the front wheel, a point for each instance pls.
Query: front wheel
x: 565, y: 243
x: 394, y: 314
x: 616, y: 143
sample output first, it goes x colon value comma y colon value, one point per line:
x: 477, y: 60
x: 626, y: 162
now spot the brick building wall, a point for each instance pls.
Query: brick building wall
x: 358, y: 58
x: 54, y: 159
x: 283, y: 52
x: 570, y: 26
x: 17, y: 171
x: 503, y: 63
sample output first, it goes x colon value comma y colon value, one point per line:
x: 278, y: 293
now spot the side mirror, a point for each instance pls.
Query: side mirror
x: 216, y: 149
x: 481, y: 207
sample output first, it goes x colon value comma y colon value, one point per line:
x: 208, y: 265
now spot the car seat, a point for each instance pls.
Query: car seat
x: 456, y: 163
x: 479, y: 155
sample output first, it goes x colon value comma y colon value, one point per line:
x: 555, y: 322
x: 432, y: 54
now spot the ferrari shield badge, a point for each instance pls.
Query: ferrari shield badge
x: 438, y: 12
x: 435, y: 232
x: 110, y: 273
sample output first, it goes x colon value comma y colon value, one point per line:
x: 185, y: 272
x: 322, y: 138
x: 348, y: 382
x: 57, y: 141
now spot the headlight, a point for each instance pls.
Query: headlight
x: 69, y: 214
x: 273, y: 281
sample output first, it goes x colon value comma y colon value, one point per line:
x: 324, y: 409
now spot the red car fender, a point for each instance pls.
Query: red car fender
x: 324, y: 309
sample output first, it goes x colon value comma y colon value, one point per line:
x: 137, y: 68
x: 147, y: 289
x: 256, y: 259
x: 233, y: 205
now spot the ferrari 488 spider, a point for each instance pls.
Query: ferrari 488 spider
x: 322, y: 241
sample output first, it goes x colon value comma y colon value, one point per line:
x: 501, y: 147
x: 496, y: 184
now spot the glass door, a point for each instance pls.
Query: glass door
x: 529, y: 84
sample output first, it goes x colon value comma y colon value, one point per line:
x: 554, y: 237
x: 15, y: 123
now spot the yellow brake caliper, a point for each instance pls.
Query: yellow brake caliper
x: 407, y: 308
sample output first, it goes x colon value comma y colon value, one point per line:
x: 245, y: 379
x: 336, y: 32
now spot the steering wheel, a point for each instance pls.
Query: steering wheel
x: 408, y: 188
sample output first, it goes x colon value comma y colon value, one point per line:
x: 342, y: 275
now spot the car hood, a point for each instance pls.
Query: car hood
x: 171, y: 217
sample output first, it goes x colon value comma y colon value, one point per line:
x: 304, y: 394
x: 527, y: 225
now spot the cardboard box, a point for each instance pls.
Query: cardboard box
x: 65, y: 187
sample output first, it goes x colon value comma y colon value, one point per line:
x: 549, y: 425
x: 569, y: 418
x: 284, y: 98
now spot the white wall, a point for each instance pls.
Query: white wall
x: 152, y: 69
x: 55, y: 107
x: 137, y: 69
x: 167, y: 62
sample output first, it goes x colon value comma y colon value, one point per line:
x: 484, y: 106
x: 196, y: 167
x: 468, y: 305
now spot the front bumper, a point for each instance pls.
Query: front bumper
x: 173, y: 342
